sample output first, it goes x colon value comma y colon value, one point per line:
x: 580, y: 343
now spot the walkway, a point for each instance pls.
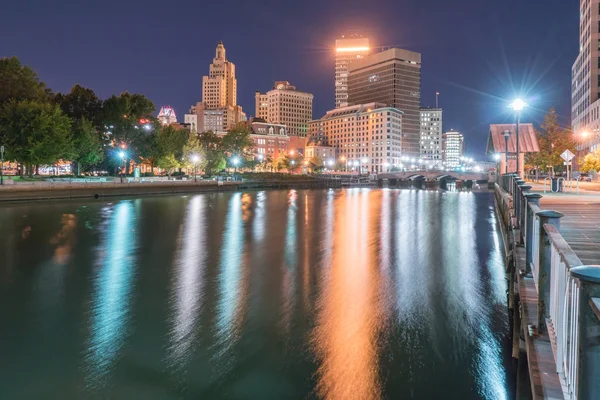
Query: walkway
x: 581, y: 224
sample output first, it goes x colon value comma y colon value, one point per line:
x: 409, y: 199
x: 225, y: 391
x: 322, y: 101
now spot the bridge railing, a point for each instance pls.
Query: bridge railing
x: 568, y: 292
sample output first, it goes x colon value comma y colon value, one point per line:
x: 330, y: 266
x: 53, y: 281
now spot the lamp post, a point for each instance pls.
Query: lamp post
x: 1, y: 165
x: 518, y: 105
x: 506, y: 136
x: 122, y: 155
x: 195, y: 160
x: 236, y: 161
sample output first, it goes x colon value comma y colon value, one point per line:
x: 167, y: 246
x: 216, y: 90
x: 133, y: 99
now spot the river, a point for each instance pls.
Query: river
x: 335, y: 294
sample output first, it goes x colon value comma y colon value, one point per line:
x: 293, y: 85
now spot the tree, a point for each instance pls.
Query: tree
x: 81, y: 103
x: 35, y: 133
x: 193, y: 153
x: 316, y: 163
x: 213, y: 152
x: 87, y: 145
x: 237, y: 142
x: 591, y: 162
x: 553, y: 141
x: 18, y: 82
x: 169, y: 163
x: 127, y: 122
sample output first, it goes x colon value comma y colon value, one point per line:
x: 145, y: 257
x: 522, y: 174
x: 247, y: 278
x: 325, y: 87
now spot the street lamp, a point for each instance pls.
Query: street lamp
x: 122, y: 154
x: 506, y: 136
x: 236, y: 161
x: 518, y: 105
x: 195, y: 160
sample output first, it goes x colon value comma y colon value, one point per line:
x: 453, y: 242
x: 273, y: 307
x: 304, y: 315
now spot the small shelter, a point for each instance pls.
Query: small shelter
x: 496, y: 144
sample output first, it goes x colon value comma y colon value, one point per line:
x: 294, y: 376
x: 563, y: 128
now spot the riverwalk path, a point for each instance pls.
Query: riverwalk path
x: 580, y: 225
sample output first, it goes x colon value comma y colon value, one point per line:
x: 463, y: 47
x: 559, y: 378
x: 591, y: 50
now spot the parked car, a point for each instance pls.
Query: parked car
x: 583, y: 177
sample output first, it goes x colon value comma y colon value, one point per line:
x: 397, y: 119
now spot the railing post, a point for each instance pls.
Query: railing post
x: 524, y: 190
x: 588, y: 353
x: 530, y: 198
x: 517, y: 198
x: 545, y: 249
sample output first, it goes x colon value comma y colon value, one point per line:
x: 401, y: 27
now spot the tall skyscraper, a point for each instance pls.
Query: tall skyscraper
x: 391, y: 77
x: 218, y: 111
x: 219, y: 88
x: 369, y: 135
x: 347, y: 49
x: 585, y: 82
x: 286, y: 105
x: 452, y: 148
x: 431, y: 135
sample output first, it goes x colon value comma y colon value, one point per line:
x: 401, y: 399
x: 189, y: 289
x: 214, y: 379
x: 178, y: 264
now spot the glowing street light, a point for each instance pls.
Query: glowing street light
x: 122, y: 156
x: 195, y: 158
x: 517, y: 106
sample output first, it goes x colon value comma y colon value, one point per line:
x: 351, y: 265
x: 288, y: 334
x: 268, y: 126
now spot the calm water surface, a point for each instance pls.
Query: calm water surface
x: 348, y: 294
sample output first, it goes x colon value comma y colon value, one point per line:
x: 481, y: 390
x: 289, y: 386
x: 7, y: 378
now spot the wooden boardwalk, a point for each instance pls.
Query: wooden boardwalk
x: 581, y: 224
x: 545, y: 383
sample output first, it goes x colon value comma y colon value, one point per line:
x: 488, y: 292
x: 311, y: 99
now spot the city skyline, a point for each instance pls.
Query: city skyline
x: 473, y: 87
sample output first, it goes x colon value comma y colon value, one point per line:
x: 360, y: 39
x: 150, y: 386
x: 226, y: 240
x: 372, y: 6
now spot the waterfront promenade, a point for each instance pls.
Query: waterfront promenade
x: 580, y: 225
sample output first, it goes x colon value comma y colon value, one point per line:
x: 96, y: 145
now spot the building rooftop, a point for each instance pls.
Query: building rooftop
x: 359, y: 108
x: 385, y: 56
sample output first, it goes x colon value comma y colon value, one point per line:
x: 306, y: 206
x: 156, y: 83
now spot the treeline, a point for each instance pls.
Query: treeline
x: 38, y: 127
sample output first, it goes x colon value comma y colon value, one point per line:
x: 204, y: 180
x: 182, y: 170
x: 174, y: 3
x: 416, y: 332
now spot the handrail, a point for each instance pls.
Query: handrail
x: 564, y: 308
x: 568, y: 293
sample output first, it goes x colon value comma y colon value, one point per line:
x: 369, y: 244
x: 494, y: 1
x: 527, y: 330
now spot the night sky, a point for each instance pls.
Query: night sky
x: 477, y: 53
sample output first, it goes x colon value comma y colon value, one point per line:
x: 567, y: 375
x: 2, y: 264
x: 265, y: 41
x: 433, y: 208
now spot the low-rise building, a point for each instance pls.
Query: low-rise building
x: 316, y: 146
x: 269, y: 139
x: 365, y: 134
x: 217, y: 120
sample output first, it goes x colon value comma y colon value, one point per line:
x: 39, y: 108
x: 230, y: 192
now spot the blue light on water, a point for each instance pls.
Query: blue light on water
x: 111, y: 300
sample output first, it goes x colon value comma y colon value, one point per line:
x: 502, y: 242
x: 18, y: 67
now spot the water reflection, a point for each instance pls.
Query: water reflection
x: 230, y: 276
x: 350, y: 316
x: 336, y: 294
x: 111, y: 299
x: 188, y: 285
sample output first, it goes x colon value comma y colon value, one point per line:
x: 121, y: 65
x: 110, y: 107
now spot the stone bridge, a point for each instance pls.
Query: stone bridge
x: 434, y: 175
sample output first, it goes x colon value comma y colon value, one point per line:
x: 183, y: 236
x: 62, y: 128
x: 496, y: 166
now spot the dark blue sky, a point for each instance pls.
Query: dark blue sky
x: 477, y: 53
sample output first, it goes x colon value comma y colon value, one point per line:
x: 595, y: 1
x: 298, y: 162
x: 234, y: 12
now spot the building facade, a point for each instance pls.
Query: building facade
x: 269, y: 139
x: 347, y: 49
x: 585, y: 79
x: 286, y: 105
x: 431, y: 135
x: 219, y: 87
x: 218, y: 111
x: 317, y: 146
x: 167, y: 116
x: 366, y: 134
x: 218, y: 120
x: 391, y: 77
x: 452, y: 148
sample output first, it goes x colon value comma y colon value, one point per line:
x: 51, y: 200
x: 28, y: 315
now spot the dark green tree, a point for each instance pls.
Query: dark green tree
x: 213, y: 152
x: 35, y: 133
x: 170, y: 142
x: 87, y: 145
x: 19, y: 82
x: 238, y: 143
x: 81, y: 103
x: 127, y: 122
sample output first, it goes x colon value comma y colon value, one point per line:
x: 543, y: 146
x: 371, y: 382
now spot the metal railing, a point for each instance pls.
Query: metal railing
x: 566, y: 289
